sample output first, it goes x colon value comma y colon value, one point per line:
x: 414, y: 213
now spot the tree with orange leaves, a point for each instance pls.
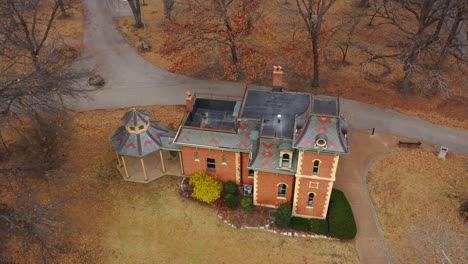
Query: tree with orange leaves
x: 223, y: 25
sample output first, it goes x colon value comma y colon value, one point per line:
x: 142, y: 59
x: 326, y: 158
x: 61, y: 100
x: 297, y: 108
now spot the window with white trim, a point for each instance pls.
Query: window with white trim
x: 224, y: 160
x: 197, y: 156
x: 210, y: 164
x: 251, y: 173
x: 310, y: 201
x: 315, y: 168
x: 282, y: 190
x: 285, y: 158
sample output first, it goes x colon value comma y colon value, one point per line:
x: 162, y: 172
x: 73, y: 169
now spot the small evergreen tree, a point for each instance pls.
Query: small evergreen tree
x: 340, y: 217
x: 230, y: 187
x: 231, y: 201
x: 283, y: 215
x: 247, y: 204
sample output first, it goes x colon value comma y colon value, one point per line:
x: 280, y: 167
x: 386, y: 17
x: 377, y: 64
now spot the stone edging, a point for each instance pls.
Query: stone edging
x: 268, y: 228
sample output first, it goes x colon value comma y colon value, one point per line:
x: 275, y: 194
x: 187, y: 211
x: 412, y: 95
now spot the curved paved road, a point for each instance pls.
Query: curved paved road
x: 131, y: 81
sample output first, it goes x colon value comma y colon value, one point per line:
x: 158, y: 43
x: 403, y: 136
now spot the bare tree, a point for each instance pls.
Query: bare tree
x: 312, y: 13
x: 168, y: 6
x: 23, y: 28
x: 345, y: 43
x: 135, y: 6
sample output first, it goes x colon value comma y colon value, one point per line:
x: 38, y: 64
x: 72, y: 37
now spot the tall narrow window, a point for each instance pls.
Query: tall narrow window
x: 285, y: 160
x: 315, y: 169
x: 224, y: 160
x: 282, y: 190
x: 197, y: 156
x: 310, y: 201
x: 251, y: 173
x: 210, y: 164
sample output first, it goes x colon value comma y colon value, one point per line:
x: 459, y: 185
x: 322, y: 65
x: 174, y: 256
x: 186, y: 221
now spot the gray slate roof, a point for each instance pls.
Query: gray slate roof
x: 136, y: 117
x: 240, y: 141
x: 266, y: 156
x: 327, y: 125
x: 157, y: 137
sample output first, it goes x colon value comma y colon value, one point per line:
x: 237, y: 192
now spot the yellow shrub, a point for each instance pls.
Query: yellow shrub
x: 205, y: 187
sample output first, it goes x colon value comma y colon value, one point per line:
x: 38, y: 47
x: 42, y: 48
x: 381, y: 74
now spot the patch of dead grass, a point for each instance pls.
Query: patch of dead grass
x: 412, y: 189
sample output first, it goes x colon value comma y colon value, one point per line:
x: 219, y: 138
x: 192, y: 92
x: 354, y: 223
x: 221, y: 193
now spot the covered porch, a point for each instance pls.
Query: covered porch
x: 150, y: 167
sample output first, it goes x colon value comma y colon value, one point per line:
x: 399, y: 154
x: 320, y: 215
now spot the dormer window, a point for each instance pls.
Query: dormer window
x: 132, y: 128
x: 141, y: 127
x: 285, y: 159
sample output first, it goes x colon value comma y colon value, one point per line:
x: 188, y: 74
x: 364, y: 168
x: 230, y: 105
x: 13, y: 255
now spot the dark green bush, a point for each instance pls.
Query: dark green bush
x: 283, y: 215
x: 299, y: 223
x: 230, y: 187
x: 319, y: 226
x: 231, y: 201
x: 247, y: 204
x: 340, y: 217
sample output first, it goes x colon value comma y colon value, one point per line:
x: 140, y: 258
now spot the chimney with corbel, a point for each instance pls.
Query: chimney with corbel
x: 277, y: 79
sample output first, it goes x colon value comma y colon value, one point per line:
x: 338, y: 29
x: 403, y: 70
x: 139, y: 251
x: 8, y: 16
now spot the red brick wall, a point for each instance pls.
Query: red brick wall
x: 267, y: 188
x: 223, y: 173
x: 326, y: 164
x: 306, y: 186
x: 245, y: 171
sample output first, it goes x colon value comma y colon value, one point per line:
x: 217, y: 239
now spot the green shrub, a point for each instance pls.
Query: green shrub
x: 340, y: 217
x: 230, y: 187
x: 283, y: 215
x: 299, y: 223
x: 319, y: 226
x: 205, y: 188
x: 247, y: 204
x: 231, y: 201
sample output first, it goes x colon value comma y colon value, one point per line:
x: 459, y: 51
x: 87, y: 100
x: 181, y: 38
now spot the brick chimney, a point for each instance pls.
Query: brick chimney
x: 278, y: 76
x: 189, y: 102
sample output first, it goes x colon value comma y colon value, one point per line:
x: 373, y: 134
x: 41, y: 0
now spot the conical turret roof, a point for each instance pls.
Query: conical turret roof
x: 136, y: 117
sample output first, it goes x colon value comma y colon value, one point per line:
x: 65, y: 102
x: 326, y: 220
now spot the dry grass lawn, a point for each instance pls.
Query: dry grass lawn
x: 416, y: 197
x: 350, y: 81
x: 113, y: 221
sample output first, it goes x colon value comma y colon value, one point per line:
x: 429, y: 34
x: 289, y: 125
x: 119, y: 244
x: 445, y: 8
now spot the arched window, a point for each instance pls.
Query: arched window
x: 310, y: 201
x: 315, y: 168
x: 282, y: 190
x: 285, y: 160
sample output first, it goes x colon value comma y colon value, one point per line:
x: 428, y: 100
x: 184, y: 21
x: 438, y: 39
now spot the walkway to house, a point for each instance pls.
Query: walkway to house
x: 131, y: 81
x: 351, y: 179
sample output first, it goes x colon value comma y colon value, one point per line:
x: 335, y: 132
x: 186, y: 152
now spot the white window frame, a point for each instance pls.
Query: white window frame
x: 318, y: 167
x: 308, y: 200
x: 279, y: 195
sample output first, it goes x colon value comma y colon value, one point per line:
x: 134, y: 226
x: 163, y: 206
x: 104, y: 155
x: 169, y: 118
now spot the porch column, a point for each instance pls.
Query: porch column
x: 162, y: 161
x: 181, y: 165
x: 118, y: 159
x: 125, y: 167
x: 144, y: 170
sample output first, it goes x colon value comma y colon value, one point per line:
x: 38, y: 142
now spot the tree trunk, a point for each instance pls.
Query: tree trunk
x: 409, y: 71
x: 316, y: 80
x: 168, y: 6
x: 136, y: 10
x: 452, y: 35
x: 62, y: 9
x: 234, y: 57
